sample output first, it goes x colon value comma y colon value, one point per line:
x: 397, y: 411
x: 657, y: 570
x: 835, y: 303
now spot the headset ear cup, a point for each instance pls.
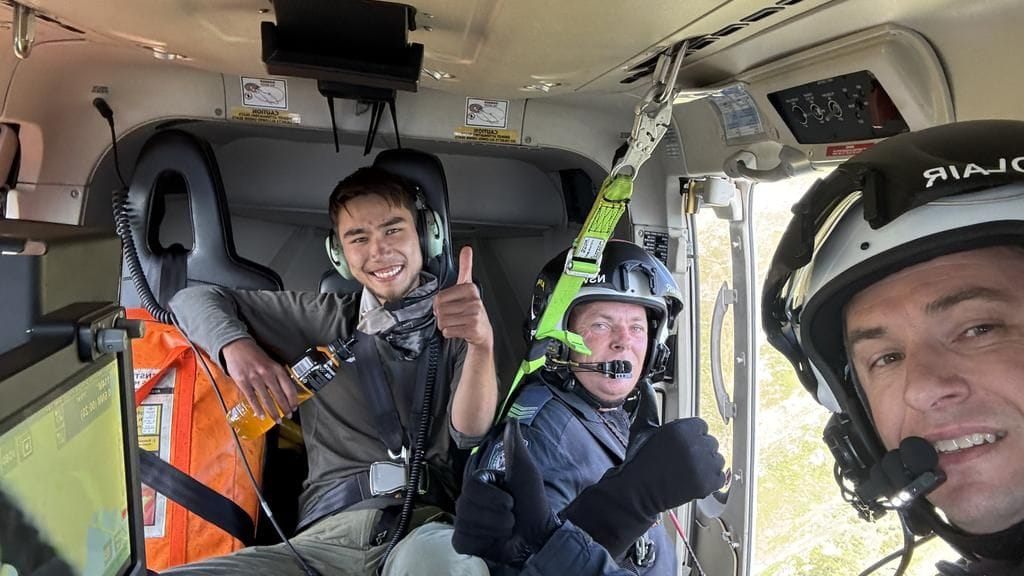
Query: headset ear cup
x: 336, y: 256
x: 659, y: 359
x: 433, y: 240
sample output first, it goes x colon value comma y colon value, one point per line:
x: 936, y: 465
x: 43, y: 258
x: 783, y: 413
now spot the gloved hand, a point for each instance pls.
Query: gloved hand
x: 504, y: 516
x: 664, y: 467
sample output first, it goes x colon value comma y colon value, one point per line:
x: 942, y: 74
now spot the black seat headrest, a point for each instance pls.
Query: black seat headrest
x: 212, y: 259
x: 334, y: 283
x: 426, y: 172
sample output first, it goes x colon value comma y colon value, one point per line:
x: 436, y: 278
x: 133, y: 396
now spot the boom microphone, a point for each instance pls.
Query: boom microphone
x: 612, y: 368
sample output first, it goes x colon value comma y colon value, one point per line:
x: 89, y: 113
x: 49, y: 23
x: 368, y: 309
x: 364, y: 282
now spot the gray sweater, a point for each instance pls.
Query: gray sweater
x: 337, y: 423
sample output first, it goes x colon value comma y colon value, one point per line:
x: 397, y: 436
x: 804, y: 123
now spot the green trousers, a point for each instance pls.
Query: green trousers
x: 342, y: 544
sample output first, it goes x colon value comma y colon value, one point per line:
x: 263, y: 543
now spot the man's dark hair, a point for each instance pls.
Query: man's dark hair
x: 370, y: 180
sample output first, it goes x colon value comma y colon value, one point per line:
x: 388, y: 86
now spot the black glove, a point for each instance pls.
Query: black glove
x: 504, y: 516
x: 664, y: 467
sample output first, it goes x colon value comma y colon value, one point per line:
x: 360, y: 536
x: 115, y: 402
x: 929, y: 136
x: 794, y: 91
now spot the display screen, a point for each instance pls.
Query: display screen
x: 63, y: 478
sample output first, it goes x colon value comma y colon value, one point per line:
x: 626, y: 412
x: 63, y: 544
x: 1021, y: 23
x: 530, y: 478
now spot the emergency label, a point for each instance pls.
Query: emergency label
x: 656, y: 244
x: 490, y: 135
x: 738, y: 112
x: 847, y: 150
x: 265, y: 116
x: 486, y: 113
x: 153, y: 419
x: 264, y: 93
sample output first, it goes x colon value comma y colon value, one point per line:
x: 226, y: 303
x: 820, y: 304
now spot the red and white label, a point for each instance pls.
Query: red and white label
x: 847, y: 150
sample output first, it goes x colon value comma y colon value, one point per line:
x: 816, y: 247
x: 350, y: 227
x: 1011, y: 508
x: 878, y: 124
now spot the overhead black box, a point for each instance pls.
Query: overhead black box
x: 351, y: 42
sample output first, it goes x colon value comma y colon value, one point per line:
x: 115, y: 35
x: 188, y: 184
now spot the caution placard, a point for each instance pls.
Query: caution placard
x: 264, y: 92
x: 491, y: 135
x: 265, y: 116
x: 486, y: 113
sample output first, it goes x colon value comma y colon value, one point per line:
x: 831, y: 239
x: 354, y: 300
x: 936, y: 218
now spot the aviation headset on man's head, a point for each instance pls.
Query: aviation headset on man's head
x: 428, y: 227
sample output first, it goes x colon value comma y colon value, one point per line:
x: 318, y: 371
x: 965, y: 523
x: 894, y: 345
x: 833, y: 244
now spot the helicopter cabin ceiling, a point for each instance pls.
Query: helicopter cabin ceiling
x: 490, y: 48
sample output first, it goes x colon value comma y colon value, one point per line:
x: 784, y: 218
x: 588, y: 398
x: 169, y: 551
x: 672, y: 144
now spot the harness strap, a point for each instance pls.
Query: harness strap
x: 196, y: 497
x: 375, y: 386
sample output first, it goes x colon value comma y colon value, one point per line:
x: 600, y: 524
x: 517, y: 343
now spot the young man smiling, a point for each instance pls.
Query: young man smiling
x: 898, y: 298
x: 388, y: 240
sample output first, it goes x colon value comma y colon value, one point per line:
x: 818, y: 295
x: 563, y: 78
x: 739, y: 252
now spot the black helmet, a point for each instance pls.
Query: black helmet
x: 908, y: 199
x: 628, y: 274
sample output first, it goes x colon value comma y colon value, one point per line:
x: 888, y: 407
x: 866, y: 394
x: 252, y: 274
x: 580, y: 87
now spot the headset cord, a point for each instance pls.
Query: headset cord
x: 123, y: 227
x: 905, y: 554
x: 309, y: 570
x: 416, y: 462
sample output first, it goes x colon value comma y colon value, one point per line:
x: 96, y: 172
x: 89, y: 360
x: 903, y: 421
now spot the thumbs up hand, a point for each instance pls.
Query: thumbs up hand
x: 459, y: 310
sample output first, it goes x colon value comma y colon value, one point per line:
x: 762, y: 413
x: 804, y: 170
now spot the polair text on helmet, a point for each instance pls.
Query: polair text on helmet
x: 952, y: 172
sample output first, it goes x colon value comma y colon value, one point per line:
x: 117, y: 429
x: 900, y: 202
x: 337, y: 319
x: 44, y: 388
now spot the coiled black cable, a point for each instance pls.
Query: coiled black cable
x: 123, y: 227
x: 412, y: 484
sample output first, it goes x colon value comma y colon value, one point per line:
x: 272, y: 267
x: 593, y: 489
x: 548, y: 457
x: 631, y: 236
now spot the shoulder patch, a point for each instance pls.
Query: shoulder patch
x: 528, y: 403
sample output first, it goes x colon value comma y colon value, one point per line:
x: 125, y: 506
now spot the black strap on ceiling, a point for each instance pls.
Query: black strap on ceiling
x: 334, y: 124
x: 382, y: 402
x: 196, y: 497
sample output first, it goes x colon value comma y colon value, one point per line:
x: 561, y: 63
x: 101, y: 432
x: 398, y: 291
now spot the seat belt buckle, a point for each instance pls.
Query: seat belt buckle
x: 386, y: 477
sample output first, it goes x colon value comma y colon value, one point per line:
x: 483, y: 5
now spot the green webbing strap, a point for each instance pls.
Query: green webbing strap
x: 584, y: 263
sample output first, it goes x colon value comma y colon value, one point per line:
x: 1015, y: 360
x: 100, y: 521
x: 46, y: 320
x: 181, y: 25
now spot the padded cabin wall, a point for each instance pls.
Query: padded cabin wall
x: 293, y: 180
x: 63, y: 136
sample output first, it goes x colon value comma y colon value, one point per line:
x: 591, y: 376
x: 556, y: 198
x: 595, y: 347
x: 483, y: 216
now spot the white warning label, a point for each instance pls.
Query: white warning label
x: 264, y: 93
x: 738, y: 112
x: 486, y: 113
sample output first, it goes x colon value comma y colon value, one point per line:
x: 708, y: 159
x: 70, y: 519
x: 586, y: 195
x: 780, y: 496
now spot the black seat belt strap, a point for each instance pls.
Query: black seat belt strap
x: 375, y: 386
x: 196, y: 497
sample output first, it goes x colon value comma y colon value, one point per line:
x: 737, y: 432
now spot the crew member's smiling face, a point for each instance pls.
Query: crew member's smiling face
x: 381, y: 245
x: 612, y: 331
x: 939, y: 351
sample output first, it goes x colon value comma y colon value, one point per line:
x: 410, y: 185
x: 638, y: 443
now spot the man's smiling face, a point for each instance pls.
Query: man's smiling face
x: 381, y: 245
x: 939, y: 351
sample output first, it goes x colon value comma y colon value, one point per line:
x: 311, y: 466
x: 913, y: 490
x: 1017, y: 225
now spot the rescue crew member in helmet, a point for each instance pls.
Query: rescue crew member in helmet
x: 392, y: 244
x: 569, y: 469
x: 897, y: 292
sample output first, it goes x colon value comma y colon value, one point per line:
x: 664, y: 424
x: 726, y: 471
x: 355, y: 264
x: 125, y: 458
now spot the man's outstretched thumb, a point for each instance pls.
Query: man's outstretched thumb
x: 466, y: 265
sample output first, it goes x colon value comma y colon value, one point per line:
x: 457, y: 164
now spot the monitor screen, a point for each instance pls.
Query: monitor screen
x: 62, y: 468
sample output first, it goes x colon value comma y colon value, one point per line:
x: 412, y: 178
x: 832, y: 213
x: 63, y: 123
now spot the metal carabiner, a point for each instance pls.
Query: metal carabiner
x: 653, y: 114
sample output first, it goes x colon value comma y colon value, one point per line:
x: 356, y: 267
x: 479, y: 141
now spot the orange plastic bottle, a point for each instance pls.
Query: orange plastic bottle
x: 312, y: 372
x: 249, y: 425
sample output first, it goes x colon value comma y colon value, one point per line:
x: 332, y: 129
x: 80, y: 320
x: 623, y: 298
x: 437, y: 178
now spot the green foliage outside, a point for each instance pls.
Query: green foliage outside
x: 803, y: 527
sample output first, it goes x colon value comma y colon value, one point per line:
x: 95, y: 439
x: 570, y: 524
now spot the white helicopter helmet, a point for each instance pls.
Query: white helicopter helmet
x: 906, y: 200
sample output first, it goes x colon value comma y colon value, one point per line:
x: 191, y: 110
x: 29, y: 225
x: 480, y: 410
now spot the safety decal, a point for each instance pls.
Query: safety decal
x: 153, y: 418
x: 265, y: 116
x: 847, y: 150
x: 486, y: 113
x: 656, y: 244
x: 489, y: 135
x: 264, y: 93
x: 738, y: 113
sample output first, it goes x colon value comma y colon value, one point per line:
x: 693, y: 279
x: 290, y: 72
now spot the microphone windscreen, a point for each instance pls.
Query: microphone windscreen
x: 919, y: 456
x: 893, y: 469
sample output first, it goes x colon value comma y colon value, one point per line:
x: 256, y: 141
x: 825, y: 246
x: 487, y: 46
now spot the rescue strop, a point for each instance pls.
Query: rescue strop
x: 652, y: 120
